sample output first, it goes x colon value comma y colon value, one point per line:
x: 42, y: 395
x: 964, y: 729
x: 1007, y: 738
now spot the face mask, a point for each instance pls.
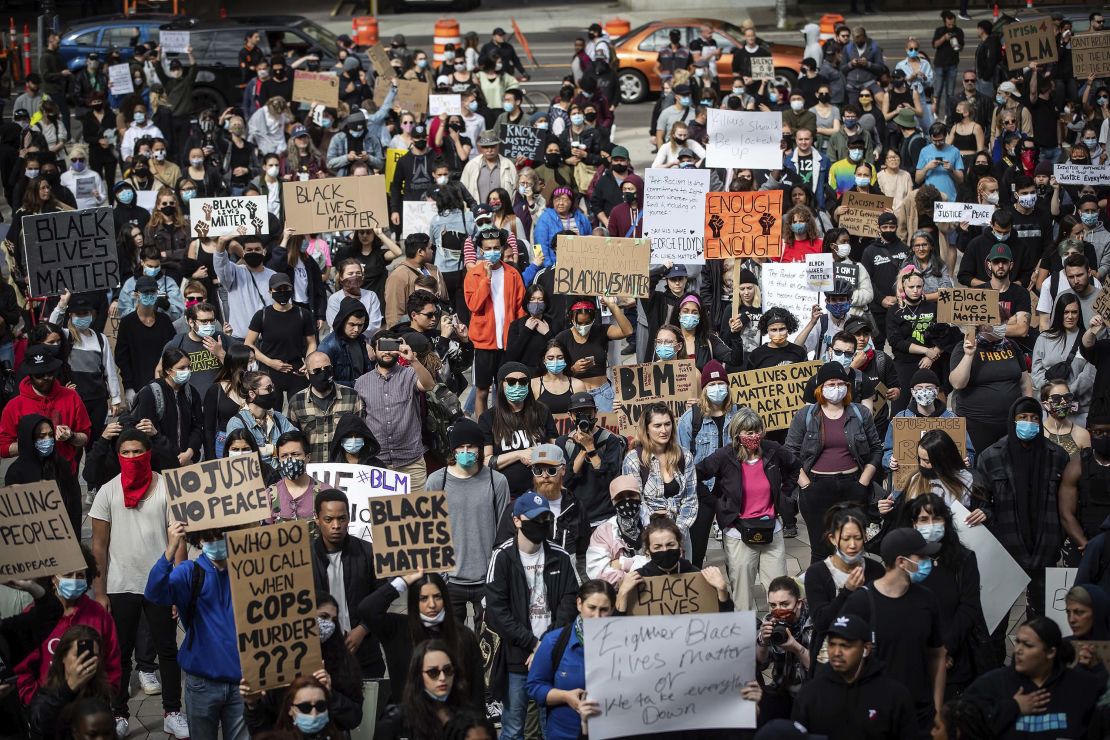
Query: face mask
x: 535, y: 308
x: 82, y: 322
x: 508, y: 106
x: 77, y: 166
x: 999, y: 332
x: 181, y: 377
x: 717, y: 393
x: 1091, y: 143
x: 665, y: 560
x: 139, y: 117
x: 843, y: 250
x: 354, y: 445
x: 689, y: 321
x: 798, y: 228
x: 664, y: 351
x: 856, y: 155
x: 254, y: 259
x: 797, y: 105
x: 924, y: 568
x: 999, y: 100
x: 838, y: 310
x: 1089, y: 219
x: 325, y: 123
x: 924, y: 396
x: 466, y: 458
x: 215, y: 550
x: 125, y: 196
x: 863, y: 181
x: 326, y: 627
x: 620, y: 169
x: 472, y: 106
x: 911, y: 53
x: 1061, y: 409
x: 835, y: 394
x: 252, y: 366
x: 419, y: 144
x: 889, y: 236
x: 493, y: 256
x: 534, y: 531
x: 291, y: 468
x: 188, y: 195
x: 773, y: 96
x: 584, y: 329
x: 310, y: 724
x: 628, y: 198
x: 206, y: 330
x: 1028, y: 200
x: 992, y: 198
x: 516, y: 393
x: 264, y: 401
x: 552, y: 160
x: 321, y: 381
x: 272, y: 171
x: 850, y: 122
x: 152, y: 271
x: 71, y: 588
x: 931, y: 532
x: 1001, y: 237
x: 1101, y: 445
x: 1103, y: 101
x: 1026, y: 430
x: 160, y: 155
x: 32, y: 174
x: 148, y: 299
x: 44, y: 446
x: 591, y: 116
x: 849, y: 559
x: 283, y: 296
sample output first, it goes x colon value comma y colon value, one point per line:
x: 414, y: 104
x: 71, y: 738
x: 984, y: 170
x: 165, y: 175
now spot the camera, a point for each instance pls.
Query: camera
x: 779, y: 633
x: 584, y: 422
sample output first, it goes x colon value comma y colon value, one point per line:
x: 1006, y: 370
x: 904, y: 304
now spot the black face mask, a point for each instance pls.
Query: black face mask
x: 321, y: 381
x: 535, y: 531
x: 824, y: 98
x: 889, y: 236
x: 283, y: 296
x: 620, y: 169
x: 264, y: 402
x: 928, y: 473
x: 982, y: 169
x: 254, y: 259
x: 1101, y: 445
x: 168, y: 210
x: 419, y: 143
x: 629, y: 198
x: 665, y: 560
x: 552, y: 160
x: 591, y: 117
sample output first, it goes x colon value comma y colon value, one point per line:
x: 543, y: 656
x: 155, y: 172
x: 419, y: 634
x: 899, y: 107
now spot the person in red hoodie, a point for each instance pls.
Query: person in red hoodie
x: 40, y: 393
x: 494, y: 294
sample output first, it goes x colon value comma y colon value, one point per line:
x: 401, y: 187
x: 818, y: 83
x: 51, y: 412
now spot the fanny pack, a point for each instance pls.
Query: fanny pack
x: 758, y: 531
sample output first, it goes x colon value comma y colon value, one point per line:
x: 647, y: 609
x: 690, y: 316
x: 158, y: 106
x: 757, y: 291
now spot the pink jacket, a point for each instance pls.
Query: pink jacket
x: 605, y: 547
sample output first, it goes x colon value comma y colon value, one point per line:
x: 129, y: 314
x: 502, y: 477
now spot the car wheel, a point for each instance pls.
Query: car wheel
x: 207, y: 98
x: 633, y: 86
x: 786, y: 77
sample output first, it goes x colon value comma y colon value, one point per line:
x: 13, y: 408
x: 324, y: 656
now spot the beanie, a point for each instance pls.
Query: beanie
x: 465, y: 432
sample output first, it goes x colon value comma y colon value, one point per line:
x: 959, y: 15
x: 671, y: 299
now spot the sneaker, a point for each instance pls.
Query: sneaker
x: 121, y: 727
x: 174, y: 725
x: 150, y: 683
x: 963, y: 16
x: 789, y: 531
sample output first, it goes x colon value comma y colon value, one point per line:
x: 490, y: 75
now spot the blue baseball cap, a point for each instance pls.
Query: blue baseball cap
x: 531, y: 505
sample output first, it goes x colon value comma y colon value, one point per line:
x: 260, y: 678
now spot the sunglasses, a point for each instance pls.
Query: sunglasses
x: 76, y: 159
x: 864, y: 97
x: 1065, y: 398
x: 429, y: 314
x: 319, y: 370
x: 434, y: 673
x: 545, y: 471
x: 516, y: 381
x: 308, y: 707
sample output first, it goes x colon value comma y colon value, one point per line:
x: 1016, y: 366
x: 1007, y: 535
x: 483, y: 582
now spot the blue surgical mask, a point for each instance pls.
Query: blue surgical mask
x: 850, y: 122
x: 152, y: 271
x: 999, y: 100
x: 354, y: 445
x: 207, y: 330
x: 188, y: 195
x: 72, y: 588
x: 798, y: 228
x: 850, y: 559
x: 855, y: 155
x: 181, y: 377
x: 1089, y: 219
x: 508, y: 106
x: 689, y: 321
x: 148, y: 299
x: 931, y: 532
x: 126, y: 196
x: 577, y: 119
x: 310, y: 724
x: 664, y: 351
x: 717, y: 392
x: 31, y: 174
x: 1091, y: 144
x: 684, y: 101
x: 466, y: 458
x: 773, y: 96
x: 1026, y: 430
x: 472, y: 106
x: 139, y: 117
x: 862, y: 181
x: 1001, y: 237
x: 924, y: 568
x: 44, y: 446
x: 493, y: 256
x: 555, y: 366
x: 911, y: 53
x: 215, y: 550
x: 422, y: 63
x: 82, y: 322
x: 516, y: 393
x: 77, y: 166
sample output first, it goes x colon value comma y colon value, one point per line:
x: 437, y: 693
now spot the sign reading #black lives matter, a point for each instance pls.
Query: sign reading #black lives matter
x: 71, y: 250
x: 36, y: 537
x: 602, y: 266
x: 335, y: 204
x: 224, y: 492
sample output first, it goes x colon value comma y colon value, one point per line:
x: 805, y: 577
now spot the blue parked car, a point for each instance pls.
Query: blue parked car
x: 101, y: 33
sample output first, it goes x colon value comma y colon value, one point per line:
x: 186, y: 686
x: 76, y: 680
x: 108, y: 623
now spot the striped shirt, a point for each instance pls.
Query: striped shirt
x: 393, y: 413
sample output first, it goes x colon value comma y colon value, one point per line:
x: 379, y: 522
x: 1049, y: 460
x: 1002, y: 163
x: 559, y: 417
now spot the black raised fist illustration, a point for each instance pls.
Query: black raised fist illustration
x: 201, y: 228
x: 716, y: 223
x: 767, y: 221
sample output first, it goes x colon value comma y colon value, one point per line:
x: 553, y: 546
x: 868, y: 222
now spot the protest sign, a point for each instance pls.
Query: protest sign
x: 907, y: 433
x: 273, y: 598
x: 775, y: 393
x: 744, y: 139
x: 316, y: 87
x: 1001, y: 579
x: 878, y: 400
x: 412, y: 95
x: 847, y: 272
x: 335, y: 204
x: 743, y: 224
x: 391, y: 157
x: 145, y: 199
x: 860, y: 212
x: 518, y: 140
x: 1031, y: 41
x: 1057, y: 583
x: 671, y: 383
x: 967, y: 306
x: 223, y: 492
x: 680, y: 594
x: 36, y: 536
x: 763, y: 68
x: 819, y: 271
x: 602, y: 266
x: 674, y: 208
x: 451, y: 104
x: 611, y: 420
x: 1102, y: 303
x: 411, y: 533
x: 174, y: 42
x: 119, y: 79
x: 1090, y: 54
x: 1082, y: 174
x: 379, y: 58
x: 974, y: 214
x: 784, y: 285
x: 71, y: 250
x: 669, y: 673
x: 359, y: 483
x: 231, y: 216
x: 416, y: 216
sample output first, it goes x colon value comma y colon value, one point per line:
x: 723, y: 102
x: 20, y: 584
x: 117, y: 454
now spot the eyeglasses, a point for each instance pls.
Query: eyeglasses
x: 433, y: 673
x: 516, y: 381
x: 308, y: 707
x: 842, y: 353
x: 545, y: 471
x: 1064, y: 398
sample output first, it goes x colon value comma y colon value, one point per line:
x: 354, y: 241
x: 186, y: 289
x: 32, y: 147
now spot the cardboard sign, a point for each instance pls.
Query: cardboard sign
x: 878, y: 400
x: 316, y: 87
x: 861, y: 213
x: 783, y: 284
x: 379, y: 58
x: 391, y: 158
x: 907, y: 433
x: 119, y: 80
x: 359, y: 483
x: 416, y: 216
x: 610, y: 420
x: 412, y: 95
x: 1057, y: 583
x: 224, y: 492
x: 819, y: 271
x: 671, y: 383
x: 231, y: 216
x: 451, y: 104
x: 974, y: 214
x: 1031, y: 41
x: 36, y: 537
x: 689, y: 593
x: 1082, y: 174
x: 602, y: 266
x: 174, y: 42
x: 669, y: 673
x: 747, y: 224
x: 967, y: 306
x: 411, y: 533
x: 674, y: 206
x: 775, y: 393
x: 335, y: 204
x: 763, y: 68
x: 274, y: 600
x: 1102, y: 303
x: 1001, y: 579
x: 518, y: 140
x: 745, y: 139
x: 74, y: 250
x: 1090, y: 54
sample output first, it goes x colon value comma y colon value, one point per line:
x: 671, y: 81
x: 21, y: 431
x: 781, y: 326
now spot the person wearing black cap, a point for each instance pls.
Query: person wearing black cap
x: 924, y: 401
x: 1085, y: 501
x: 515, y: 424
x: 661, y: 307
x: 503, y: 55
x: 412, y: 175
x: 882, y: 258
x: 851, y: 697
x: 282, y: 335
x: 876, y: 365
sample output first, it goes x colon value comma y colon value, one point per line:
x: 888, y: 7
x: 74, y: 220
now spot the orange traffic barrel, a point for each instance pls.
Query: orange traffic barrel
x: 829, y: 22
x: 366, y: 30
x: 617, y: 27
x: 446, y: 32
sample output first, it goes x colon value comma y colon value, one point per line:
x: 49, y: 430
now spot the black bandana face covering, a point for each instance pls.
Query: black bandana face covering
x: 629, y: 525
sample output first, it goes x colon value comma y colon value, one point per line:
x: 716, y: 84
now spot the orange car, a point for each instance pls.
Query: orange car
x: 637, y: 52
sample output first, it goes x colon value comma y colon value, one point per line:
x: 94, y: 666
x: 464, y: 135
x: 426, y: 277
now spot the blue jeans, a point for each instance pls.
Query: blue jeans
x: 210, y: 705
x: 944, y: 83
x: 604, y: 395
x: 516, y: 707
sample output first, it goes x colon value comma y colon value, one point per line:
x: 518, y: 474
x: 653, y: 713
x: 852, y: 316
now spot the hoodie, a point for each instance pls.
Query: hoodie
x: 61, y: 404
x: 350, y: 425
x: 349, y: 357
x: 870, y: 708
x: 1073, y: 694
x: 623, y: 222
x: 30, y: 467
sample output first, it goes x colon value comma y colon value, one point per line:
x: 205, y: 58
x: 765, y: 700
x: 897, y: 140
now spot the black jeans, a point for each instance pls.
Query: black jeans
x: 815, y: 500
x: 461, y: 595
x: 287, y: 385
x: 703, y: 525
x: 127, y: 609
x: 985, y: 433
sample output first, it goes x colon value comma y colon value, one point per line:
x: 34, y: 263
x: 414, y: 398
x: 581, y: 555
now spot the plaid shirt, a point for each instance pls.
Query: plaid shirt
x: 320, y: 425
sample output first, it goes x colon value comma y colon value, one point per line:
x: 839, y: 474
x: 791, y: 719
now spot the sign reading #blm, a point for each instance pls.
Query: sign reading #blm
x: 71, y: 250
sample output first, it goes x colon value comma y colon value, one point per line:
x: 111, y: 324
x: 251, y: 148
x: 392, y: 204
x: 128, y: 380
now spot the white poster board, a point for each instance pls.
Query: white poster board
x: 784, y: 285
x: 745, y: 139
x: 416, y: 216
x: 1057, y: 583
x: 146, y: 199
x: 359, y: 482
x: 674, y: 211
x: 819, y: 271
x: 1001, y: 579
x: 1082, y: 174
x: 228, y: 216
x: 449, y: 104
x: 119, y: 79
x: 174, y: 42
x: 672, y: 673
x: 975, y: 214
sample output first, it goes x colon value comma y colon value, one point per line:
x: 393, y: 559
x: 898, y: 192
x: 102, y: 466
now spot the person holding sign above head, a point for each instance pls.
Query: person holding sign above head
x: 587, y: 347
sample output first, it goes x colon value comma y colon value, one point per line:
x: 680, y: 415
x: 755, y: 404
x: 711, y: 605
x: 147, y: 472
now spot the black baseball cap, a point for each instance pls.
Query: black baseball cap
x: 582, y: 400
x: 857, y: 324
x: 850, y: 627
x: 906, y: 541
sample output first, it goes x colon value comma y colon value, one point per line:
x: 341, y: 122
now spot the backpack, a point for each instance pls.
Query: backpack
x: 190, y: 611
x: 160, y: 399
x: 442, y: 409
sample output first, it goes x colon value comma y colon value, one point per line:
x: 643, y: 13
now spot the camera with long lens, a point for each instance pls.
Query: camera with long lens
x: 779, y: 633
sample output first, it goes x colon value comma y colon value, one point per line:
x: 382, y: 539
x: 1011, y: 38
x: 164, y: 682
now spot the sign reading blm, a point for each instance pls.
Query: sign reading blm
x: 224, y: 492
x: 71, y: 250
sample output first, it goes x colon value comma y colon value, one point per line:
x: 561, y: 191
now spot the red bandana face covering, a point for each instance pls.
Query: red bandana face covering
x: 135, y: 474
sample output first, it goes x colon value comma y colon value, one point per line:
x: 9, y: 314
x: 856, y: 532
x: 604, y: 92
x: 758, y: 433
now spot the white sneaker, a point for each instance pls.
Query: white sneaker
x: 174, y: 724
x: 121, y: 727
x: 150, y: 683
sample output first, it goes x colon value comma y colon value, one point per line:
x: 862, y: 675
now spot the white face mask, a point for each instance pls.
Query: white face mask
x: 272, y: 171
x: 843, y: 250
x: 835, y: 394
x: 992, y: 198
x: 931, y: 532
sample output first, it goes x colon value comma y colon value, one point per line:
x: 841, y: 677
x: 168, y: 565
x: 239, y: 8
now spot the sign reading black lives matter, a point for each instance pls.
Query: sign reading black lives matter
x: 411, y: 532
x: 224, y: 492
x: 602, y: 266
x: 74, y: 250
x: 36, y: 537
x: 273, y: 598
x: 231, y: 216
x: 521, y: 141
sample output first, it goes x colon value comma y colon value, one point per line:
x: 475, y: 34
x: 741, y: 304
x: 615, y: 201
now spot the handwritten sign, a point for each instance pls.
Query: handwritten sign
x: 274, y: 601
x: 71, y: 250
x: 689, y: 593
x: 974, y: 214
x: 847, y: 272
x: 359, y: 483
x: 416, y: 216
x: 671, y: 383
x: 611, y: 420
x: 119, y: 80
x: 1102, y: 303
x: 411, y: 533
x: 908, y: 431
x: 36, y: 536
x: 451, y: 104
x: 224, y: 492
x: 878, y: 400
x: 861, y: 211
x: 674, y: 208
x: 763, y: 68
x: 602, y: 266
x: 230, y: 216
x: 1090, y: 54
x: 783, y: 284
x: 744, y: 139
x: 174, y: 42
x: 1082, y: 174
x: 316, y: 87
x: 412, y: 95
x: 1031, y: 41
x: 669, y: 673
x: 819, y: 271
x: 775, y: 393
x: 1057, y: 583
x: 379, y: 58
x: 518, y: 140
x: 1001, y: 579
x: 967, y: 306
x: 335, y: 204
x: 746, y: 224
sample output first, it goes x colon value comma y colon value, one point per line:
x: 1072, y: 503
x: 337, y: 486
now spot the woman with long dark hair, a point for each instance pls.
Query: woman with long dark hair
x: 305, y: 710
x: 168, y: 230
x: 223, y: 399
x: 1056, y: 355
x: 838, y: 243
x: 174, y: 407
x: 505, y: 218
x: 37, y: 198
x: 667, y: 471
x: 259, y: 416
x: 74, y: 675
x: 587, y: 344
x: 515, y: 424
x: 700, y: 339
x: 943, y: 472
x: 532, y: 333
x: 309, y: 291
x: 434, y: 692
x: 449, y: 230
x: 553, y: 388
x: 374, y: 250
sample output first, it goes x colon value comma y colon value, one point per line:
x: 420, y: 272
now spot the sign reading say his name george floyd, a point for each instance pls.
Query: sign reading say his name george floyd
x: 335, y: 204
x: 1031, y: 41
x: 224, y: 492
x: 775, y: 393
x: 602, y: 266
x: 1090, y: 54
x: 316, y: 87
x: 411, y: 533
x: 71, y: 250
x: 967, y: 306
x: 907, y: 432
x: 36, y: 537
x: 861, y: 211
x: 747, y: 224
x: 671, y: 383
x: 230, y: 216
x: 521, y: 141
x: 746, y: 139
x: 273, y: 598
x: 689, y: 593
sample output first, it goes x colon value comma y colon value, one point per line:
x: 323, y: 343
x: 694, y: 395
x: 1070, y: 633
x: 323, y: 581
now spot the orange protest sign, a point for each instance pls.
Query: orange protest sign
x: 747, y: 224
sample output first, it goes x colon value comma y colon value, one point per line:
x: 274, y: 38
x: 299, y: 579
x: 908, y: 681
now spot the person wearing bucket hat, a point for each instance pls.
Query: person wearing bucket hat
x: 514, y: 425
x: 587, y: 346
x: 594, y: 458
x: 489, y: 170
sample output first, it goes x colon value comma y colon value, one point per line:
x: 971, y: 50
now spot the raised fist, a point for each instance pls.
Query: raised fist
x: 201, y: 227
x: 716, y: 223
x: 767, y: 221
x: 207, y: 208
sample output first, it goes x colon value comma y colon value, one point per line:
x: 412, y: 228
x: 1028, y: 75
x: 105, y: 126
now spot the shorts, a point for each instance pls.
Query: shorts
x: 486, y: 363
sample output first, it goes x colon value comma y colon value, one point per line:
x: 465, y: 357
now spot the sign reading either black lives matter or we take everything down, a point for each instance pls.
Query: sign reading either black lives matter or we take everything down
x: 71, y: 250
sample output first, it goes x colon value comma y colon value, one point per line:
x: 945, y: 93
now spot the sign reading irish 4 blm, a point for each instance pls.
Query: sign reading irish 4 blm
x: 70, y: 250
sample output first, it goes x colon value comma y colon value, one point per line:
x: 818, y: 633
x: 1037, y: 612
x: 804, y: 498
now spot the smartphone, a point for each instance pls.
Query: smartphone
x: 389, y: 345
x: 938, y: 160
x: 84, y: 647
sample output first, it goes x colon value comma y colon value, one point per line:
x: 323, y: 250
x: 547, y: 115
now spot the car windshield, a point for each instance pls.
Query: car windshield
x: 322, y: 36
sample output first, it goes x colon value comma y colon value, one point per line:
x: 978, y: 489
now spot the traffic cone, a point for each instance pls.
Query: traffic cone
x: 1028, y: 4
x: 26, y: 49
x: 996, y: 11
